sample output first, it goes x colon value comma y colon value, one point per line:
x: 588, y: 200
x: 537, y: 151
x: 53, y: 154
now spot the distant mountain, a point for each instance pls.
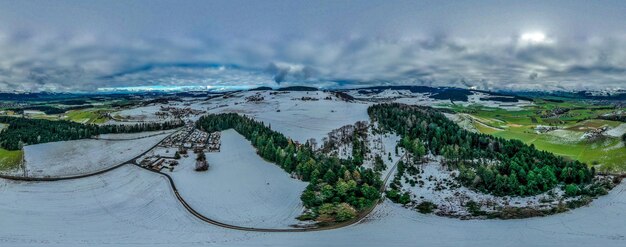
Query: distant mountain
x: 297, y: 88
x: 619, y: 95
x: 262, y: 89
x: 442, y: 93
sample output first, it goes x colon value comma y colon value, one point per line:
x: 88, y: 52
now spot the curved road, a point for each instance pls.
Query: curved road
x: 48, y: 179
x: 195, y: 213
x: 356, y: 220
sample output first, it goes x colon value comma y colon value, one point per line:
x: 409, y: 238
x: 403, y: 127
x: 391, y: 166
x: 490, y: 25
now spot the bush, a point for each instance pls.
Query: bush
x: 473, y: 208
x: 335, y: 212
x: 404, y: 198
x: 426, y: 207
x: 393, y: 195
x: 345, y: 212
x: 571, y: 190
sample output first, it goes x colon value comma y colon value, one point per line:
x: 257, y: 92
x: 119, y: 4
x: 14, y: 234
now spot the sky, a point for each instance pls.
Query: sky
x: 491, y: 45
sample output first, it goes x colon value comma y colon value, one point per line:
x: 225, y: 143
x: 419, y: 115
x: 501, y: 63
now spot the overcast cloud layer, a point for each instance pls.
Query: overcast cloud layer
x: 85, y: 45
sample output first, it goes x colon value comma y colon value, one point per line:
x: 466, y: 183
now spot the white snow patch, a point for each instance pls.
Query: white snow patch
x: 441, y: 188
x: 69, y: 158
x: 617, y: 131
x: 132, y: 207
x: 296, y: 118
x: 240, y: 187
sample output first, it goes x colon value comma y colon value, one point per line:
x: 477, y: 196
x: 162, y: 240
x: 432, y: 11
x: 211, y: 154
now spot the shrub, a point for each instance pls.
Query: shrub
x: 426, y: 207
x: 345, y: 212
x: 571, y: 190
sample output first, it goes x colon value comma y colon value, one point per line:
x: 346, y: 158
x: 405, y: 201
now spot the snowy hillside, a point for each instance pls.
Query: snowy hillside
x: 240, y: 188
x: 131, y: 207
x: 71, y: 158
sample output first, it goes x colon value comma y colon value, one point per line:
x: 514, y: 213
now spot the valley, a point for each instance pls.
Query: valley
x: 314, y: 160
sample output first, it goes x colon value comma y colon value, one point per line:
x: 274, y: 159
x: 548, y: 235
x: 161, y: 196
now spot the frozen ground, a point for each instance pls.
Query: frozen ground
x: 462, y: 120
x: 617, y: 131
x: 296, y: 118
x: 407, y: 97
x: 132, y: 207
x: 70, y: 158
x: 240, y: 188
x: 140, y: 114
x: 130, y: 136
x: 436, y: 184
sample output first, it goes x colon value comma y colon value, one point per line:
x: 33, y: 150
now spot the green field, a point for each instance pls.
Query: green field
x: 607, y: 153
x: 92, y: 116
x: 10, y: 159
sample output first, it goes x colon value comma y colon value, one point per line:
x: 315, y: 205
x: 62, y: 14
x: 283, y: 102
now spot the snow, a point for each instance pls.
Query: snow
x: 70, y: 158
x: 297, y: 119
x: 34, y: 112
x: 511, y: 106
x: 129, y: 206
x: 139, y: 114
x: 240, y: 188
x: 466, y: 122
x: 124, y: 207
x: 617, y: 131
x: 126, y: 136
x: 565, y: 136
x: 132, y: 207
x: 451, y: 197
x: 284, y: 111
x: 423, y: 99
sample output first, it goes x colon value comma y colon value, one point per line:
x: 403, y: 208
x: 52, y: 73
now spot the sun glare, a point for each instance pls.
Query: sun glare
x: 534, y: 37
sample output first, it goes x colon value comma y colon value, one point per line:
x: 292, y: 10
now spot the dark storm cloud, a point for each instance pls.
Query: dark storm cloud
x: 281, y: 72
x: 67, y: 45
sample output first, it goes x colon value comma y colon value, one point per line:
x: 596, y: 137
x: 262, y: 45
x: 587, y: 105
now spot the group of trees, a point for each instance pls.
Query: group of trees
x: 486, y: 163
x: 26, y: 131
x: 337, y: 187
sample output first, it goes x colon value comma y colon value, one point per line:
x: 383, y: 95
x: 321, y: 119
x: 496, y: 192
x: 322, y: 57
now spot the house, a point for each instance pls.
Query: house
x: 202, y: 165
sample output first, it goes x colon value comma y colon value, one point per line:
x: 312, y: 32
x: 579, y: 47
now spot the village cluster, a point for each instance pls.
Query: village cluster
x: 179, y: 145
x: 166, y: 111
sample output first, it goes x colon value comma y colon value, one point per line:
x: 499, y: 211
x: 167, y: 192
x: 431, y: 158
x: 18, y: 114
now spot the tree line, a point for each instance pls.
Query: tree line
x: 26, y: 131
x: 337, y: 188
x: 486, y: 163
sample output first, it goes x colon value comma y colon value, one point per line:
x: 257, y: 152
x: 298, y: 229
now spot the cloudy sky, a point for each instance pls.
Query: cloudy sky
x: 536, y: 45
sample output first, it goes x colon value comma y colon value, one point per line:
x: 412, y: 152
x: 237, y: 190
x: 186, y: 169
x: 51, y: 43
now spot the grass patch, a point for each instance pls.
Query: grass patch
x: 520, y: 124
x: 90, y: 116
x: 10, y: 159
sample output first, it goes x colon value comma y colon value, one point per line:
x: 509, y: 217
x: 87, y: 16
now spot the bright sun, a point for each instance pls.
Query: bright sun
x: 534, y: 37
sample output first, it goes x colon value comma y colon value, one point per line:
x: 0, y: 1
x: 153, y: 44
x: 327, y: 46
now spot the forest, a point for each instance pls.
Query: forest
x: 337, y: 188
x: 26, y: 131
x: 485, y: 163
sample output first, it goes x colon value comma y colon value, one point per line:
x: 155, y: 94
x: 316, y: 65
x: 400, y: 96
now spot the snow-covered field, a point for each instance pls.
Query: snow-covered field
x: 617, y: 131
x: 296, y: 118
x: 70, y: 158
x: 132, y: 207
x: 139, y: 114
x: 240, y: 188
x: 284, y: 111
x: 408, y: 97
x: 129, y: 206
x: 127, y: 136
